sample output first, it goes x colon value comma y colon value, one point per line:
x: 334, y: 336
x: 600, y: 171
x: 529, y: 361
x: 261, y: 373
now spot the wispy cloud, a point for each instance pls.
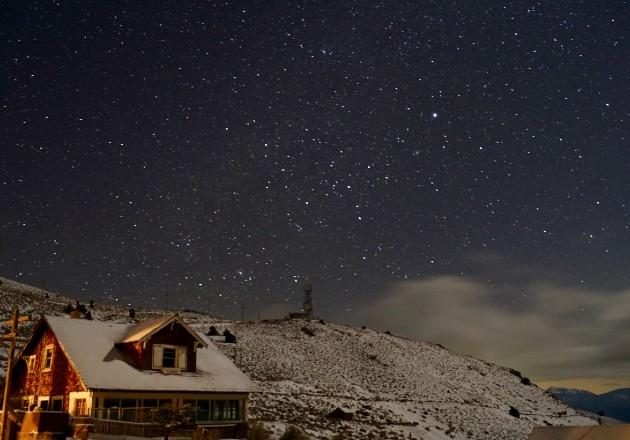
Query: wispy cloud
x: 547, y: 331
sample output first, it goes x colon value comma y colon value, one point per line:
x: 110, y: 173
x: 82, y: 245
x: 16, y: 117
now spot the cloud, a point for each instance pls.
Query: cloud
x: 546, y: 331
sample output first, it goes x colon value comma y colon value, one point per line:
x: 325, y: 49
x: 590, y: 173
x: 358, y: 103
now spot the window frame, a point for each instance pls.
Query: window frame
x: 31, y: 362
x: 49, y: 354
x: 169, y: 357
x: 226, y: 410
x: 180, y: 359
x: 80, y: 407
x: 56, y: 403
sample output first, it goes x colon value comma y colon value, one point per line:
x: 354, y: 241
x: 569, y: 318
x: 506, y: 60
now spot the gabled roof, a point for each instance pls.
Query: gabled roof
x: 143, y: 331
x: 596, y: 432
x: 90, y: 347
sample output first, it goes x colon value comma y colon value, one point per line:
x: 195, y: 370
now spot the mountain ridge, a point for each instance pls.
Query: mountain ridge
x: 615, y: 403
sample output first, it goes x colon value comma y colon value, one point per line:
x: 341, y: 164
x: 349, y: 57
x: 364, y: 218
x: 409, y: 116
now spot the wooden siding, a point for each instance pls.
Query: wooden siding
x: 60, y: 380
x: 176, y: 334
x: 133, y: 352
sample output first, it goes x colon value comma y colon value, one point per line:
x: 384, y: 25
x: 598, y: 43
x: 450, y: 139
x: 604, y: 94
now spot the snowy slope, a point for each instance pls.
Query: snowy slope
x: 397, y: 388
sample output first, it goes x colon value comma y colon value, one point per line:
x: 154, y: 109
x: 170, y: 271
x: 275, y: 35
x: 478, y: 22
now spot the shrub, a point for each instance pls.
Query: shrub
x: 229, y: 337
x: 257, y: 431
x: 81, y: 307
x: 294, y: 433
x: 516, y: 373
x: 308, y: 331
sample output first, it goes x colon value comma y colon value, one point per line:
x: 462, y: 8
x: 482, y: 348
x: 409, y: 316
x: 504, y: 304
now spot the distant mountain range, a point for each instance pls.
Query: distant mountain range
x: 615, y: 404
x: 394, y: 388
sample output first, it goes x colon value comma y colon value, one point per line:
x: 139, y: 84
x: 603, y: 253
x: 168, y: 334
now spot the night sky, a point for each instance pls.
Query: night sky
x: 446, y: 170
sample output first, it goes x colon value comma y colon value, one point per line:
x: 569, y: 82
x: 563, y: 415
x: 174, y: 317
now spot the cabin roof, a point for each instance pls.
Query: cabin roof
x: 90, y: 347
x: 143, y: 331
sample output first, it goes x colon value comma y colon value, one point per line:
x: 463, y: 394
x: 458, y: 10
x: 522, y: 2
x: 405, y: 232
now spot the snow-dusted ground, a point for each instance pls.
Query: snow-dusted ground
x: 396, y: 388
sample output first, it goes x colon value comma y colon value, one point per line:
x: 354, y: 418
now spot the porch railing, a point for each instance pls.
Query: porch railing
x: 118, y: 427
x: 184, y: 415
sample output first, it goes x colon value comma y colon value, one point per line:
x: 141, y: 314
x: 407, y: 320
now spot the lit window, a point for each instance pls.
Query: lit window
x: 30, y: 363
x: 48, y: 358
x: 80, y: 407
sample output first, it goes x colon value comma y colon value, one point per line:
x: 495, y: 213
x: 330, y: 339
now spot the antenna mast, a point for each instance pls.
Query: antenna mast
x: 307, y: 307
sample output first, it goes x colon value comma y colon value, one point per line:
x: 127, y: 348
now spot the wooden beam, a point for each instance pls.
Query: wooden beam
x: 7, y: 380
x: 20, y: 319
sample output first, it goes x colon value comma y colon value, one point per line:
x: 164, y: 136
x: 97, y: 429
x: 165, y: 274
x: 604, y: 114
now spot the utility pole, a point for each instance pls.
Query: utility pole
x: 12, y: 337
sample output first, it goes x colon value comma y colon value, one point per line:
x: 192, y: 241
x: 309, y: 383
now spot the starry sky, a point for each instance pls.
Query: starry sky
x: 447, y: 170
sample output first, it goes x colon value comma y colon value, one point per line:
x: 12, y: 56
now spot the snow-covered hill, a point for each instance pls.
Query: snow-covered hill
x: 396, y: 388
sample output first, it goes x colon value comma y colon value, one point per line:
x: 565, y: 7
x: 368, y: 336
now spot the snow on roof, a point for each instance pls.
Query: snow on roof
x: 100, y: 365
x: 144, y: 330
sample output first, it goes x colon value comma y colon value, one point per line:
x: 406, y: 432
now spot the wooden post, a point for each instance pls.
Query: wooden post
x: 7, y: 380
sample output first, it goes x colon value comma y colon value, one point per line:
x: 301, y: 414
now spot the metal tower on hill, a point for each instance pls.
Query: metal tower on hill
x: 307, y: 307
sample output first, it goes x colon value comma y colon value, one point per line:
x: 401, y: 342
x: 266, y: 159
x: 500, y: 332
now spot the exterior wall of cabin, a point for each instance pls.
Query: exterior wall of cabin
x: 174, y: 334
x: 44, y: 384
x: 133, y: 351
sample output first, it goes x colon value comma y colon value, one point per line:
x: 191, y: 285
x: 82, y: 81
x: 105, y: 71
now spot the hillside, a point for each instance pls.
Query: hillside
x: 396, y: 388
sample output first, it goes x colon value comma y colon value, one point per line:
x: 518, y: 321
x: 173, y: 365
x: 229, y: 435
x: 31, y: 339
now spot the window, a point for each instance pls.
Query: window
x: 111, y: 403
x: 57, y: 403
x: 225, y: 410
x: 203, y: 410
x: 128, y: 409
x: 80, y: 407
x: 198, y: 410
x: 112, y: 407
x: 231, y: 410
x: 150, y: 403
x: 169, y: 356
x: 48, y: 358
x: 30, y: 363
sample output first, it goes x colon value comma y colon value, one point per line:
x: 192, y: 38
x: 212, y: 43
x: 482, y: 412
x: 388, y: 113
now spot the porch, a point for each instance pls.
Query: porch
x: 150, y: 422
